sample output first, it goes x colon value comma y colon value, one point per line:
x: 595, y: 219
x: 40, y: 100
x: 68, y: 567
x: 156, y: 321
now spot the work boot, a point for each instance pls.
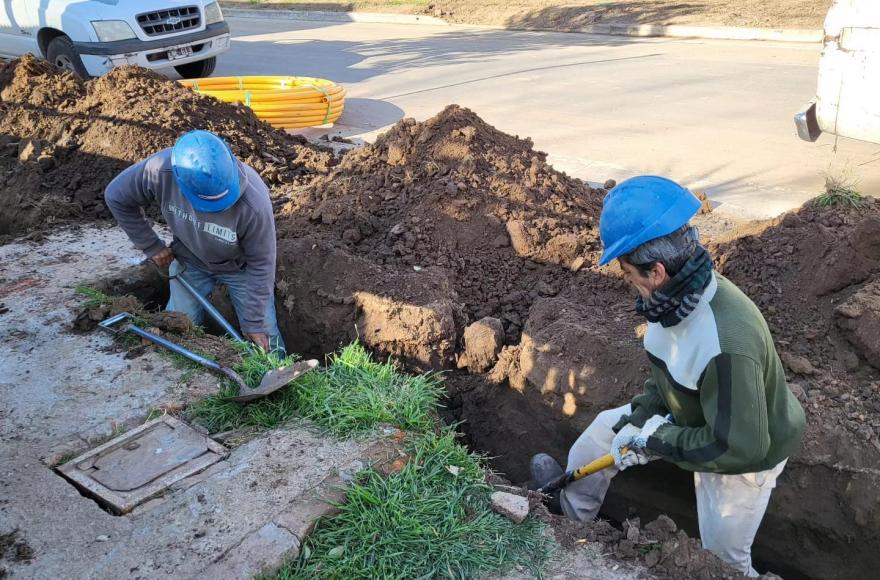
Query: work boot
x: 545, y: 469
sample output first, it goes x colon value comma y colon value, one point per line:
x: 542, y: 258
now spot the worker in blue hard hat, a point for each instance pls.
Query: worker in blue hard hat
x: 220, y: 216
x: 716, y: 402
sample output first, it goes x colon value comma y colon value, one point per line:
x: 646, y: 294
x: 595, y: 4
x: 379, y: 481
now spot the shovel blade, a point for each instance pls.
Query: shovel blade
x: 275, y: 380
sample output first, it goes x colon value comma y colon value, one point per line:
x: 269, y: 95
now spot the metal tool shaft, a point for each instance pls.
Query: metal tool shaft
x: 110, y: 323
x: 209, y: 308
x: 174, y: 347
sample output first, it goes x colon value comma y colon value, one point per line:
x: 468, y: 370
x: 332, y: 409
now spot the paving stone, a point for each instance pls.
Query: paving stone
x: 264, y: 549
x: 513, y: 507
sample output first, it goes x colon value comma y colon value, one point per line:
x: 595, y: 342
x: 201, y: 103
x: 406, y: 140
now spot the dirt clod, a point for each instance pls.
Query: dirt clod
x: 859, y: 318
x: 176, y: 322
x: 482, y: 343
x: 660, y: 546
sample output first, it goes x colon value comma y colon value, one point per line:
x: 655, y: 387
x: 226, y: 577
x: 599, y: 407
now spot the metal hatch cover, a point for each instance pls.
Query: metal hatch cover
x: 137, y: 465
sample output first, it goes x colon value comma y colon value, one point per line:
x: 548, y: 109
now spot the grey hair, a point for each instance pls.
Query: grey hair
x: 672, y: 250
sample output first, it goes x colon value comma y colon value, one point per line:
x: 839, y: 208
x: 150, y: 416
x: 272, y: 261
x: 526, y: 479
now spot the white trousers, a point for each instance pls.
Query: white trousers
x: 729, y: 507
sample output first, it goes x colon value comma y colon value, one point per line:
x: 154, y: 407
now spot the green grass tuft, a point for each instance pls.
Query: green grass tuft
x: 256, y: 362
x: 355, y: 393
x: 839, y: 190
x: 422, y: 522
x: 350, y: 396
x: 93, y: 296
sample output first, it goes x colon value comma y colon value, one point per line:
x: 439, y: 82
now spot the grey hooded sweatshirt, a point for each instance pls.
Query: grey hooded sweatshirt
x: 239, y: 238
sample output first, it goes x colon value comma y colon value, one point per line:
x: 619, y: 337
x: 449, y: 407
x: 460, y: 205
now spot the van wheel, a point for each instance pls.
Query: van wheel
x: 198, y: 69
x: 62, y: 54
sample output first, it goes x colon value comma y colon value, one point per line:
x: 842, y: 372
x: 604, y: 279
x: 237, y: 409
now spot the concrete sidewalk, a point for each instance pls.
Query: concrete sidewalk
x: 61, y: 392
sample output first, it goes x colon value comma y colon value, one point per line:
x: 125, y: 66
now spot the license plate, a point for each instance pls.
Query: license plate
x: 177, y: 53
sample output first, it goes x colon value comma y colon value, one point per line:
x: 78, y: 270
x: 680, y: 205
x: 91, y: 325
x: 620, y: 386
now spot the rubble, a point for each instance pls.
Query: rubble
x: 513, y: 507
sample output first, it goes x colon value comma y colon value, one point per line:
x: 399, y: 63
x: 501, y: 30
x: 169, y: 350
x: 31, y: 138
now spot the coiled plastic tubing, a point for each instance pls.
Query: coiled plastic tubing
x: 283, y: 102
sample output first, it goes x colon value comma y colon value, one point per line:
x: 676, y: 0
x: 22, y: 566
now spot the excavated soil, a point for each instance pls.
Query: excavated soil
x: 456, y: 194
x: 813, y: 274
x: 659, y: 546
x: 63, y: 140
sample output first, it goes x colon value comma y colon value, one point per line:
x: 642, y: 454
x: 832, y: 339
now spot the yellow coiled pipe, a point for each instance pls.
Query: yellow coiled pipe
x: 283, y: 102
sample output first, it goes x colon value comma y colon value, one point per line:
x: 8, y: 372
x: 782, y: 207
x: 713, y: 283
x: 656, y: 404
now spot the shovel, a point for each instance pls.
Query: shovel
x: 581, y: 472
x: 274, y: 379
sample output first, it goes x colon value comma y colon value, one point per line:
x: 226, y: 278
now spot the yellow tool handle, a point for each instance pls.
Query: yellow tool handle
x: 597, y: 465
x: 581, y: 472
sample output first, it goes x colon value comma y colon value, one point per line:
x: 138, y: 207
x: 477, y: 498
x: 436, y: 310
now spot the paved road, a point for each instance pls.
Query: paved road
x: 715, y: 115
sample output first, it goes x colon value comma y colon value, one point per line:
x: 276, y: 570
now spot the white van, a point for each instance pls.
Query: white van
x: 847, y: 101
x: 90, y: 37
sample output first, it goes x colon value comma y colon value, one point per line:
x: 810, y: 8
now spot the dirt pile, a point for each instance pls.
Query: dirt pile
x: 814, y: 274
x: 659, y: 545
x: 63, y: 140
x: 457, y: 194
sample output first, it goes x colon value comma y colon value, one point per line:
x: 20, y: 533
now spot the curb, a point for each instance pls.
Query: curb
x: 633, y: 30
x: 333, y: 16
x: 712, y: 32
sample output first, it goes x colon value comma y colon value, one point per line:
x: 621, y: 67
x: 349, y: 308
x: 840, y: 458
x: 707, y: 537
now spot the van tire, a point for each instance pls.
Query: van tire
x: 63, y: 55
x: 198, y: 69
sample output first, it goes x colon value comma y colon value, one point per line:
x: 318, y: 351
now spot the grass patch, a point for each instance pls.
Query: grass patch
x: 839, y: 190
x: 93, y: 297
x: 256, y: 362
x: 353, y: 394
x: 422, y: 522
x: 154, y: 413
x: 430, y: 519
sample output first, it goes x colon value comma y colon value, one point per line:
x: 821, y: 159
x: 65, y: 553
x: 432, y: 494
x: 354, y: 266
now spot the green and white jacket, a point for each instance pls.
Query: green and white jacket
x: 718, y: 374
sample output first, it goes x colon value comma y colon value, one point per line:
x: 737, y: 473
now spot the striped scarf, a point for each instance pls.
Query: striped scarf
x: 677, y: 298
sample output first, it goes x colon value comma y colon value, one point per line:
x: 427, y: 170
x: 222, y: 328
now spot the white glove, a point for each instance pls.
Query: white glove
x: 624, y: 438
x: 640, y: 441
x: 632, y: 457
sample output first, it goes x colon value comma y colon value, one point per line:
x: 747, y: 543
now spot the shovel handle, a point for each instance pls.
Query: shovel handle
x: 581, y: 472
x: 111, y: 323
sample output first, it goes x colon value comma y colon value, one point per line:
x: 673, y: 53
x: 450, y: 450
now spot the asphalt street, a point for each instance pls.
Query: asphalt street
x: 714, y: 115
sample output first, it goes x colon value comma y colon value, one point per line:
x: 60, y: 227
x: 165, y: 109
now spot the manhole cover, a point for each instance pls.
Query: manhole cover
x: 137, y: 465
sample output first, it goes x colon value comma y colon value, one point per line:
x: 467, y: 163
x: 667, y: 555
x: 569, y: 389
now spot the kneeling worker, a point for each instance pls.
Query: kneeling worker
x: 219, y: 212
x: 716, y: 402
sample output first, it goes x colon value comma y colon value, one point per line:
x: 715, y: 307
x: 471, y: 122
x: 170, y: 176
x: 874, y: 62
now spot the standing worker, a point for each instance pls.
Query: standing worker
x: 716, y: 402
x: 219, y: 212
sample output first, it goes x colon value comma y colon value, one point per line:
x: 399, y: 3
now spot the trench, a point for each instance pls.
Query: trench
x: 803, y: 535
x: 807, y: 533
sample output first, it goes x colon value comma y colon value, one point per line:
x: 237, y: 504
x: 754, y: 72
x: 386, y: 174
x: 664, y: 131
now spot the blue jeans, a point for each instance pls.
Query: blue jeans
x: 236, y: 286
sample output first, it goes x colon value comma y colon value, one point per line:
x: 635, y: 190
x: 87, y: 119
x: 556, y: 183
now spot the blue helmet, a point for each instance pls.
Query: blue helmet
x: 642, y: 209
x: 206, y: 171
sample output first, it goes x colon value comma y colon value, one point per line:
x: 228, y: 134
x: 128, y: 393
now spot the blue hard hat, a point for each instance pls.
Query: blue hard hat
x: 206, y: 171
x: 642, y: 209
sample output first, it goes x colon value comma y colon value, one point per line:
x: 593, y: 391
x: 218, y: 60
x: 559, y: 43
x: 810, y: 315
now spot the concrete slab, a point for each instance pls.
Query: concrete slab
x: 61, y: 393
x: 133, y: 467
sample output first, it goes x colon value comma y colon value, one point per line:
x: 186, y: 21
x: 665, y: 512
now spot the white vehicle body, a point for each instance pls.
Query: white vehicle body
x: 109, y: 33
x: 847, y: 100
